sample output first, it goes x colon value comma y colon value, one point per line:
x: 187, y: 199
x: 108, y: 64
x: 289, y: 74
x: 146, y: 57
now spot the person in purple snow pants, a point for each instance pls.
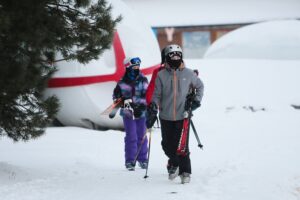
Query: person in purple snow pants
x: 132, y: 89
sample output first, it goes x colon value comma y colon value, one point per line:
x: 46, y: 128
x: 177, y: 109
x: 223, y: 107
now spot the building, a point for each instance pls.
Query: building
x: 194, y: 39
x: 196, y: 24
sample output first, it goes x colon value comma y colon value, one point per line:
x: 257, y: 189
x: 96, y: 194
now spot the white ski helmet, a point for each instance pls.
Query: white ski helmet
x: 172, y: 48
x: 131, y: 61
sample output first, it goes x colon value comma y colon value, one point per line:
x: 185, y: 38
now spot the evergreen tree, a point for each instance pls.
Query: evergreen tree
x: 32, y: 32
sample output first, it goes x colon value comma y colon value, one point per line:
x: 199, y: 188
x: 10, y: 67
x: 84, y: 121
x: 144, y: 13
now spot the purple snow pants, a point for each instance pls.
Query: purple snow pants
x: 135, y: 130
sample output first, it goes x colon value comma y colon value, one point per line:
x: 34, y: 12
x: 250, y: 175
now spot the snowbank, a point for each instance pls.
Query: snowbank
x: 268, y: 40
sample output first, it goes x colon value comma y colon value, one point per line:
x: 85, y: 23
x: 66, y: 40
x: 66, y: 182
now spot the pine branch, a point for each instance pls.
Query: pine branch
x: 32, y: 33
x: 67, y: 8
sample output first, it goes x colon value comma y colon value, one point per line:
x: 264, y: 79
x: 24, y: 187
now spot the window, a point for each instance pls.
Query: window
x: 195, y: 43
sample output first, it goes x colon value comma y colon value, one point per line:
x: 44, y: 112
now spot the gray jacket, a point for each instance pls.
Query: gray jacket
x: 171, y: 89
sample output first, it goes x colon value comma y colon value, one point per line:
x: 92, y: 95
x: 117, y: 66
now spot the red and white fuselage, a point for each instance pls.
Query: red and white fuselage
x: 86, y: 90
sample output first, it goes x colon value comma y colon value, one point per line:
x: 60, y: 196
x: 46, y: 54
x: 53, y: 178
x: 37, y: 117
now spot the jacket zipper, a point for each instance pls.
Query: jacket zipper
x: 175, y: 94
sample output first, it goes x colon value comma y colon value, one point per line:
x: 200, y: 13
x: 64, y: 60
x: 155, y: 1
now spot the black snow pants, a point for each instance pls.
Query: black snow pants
x: 171, y: 131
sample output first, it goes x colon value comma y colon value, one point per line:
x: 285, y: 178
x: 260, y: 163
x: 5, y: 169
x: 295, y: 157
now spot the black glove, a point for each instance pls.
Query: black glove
x: 195, y: 104
x: 138, y: 109
x: 151, y: 114
x: 117, y: 92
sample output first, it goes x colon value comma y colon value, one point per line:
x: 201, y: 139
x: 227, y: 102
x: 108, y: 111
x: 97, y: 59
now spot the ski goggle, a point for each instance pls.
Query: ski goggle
x: 175, y: 53
x: 133, y: 62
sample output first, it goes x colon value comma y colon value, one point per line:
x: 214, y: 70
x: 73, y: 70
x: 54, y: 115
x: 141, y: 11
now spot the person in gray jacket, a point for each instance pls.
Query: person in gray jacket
x: 171, y: 89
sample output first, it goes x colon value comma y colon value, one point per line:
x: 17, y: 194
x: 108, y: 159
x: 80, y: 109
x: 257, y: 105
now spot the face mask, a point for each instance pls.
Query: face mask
x: 174, y: 63
x: 132, y: 73
x: 136, y: 72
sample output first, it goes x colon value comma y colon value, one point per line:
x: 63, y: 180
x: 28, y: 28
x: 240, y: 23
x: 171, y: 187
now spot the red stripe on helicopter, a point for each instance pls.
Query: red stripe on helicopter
x: 119, y: 56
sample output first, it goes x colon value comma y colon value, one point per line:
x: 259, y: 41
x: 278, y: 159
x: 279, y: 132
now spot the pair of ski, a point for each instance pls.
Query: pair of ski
x: 182, y: 145
x: 182, y: 148
x: 112, y: 110
x: 183, y: 141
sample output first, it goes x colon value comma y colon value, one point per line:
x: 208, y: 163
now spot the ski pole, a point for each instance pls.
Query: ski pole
x: 146, y: 175
x: 157, y: 123
x: 140, y: 148
x: 196, y: 135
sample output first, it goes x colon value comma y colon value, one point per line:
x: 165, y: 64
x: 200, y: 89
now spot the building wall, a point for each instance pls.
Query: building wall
x: 194, y: 40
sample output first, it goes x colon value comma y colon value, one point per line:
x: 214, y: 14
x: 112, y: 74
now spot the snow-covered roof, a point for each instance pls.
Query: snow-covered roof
x: 267, y: 40
x: 162, y: 13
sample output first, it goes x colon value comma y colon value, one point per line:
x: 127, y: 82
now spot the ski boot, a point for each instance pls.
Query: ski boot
x: 130, y: 166
x: 173, y: 172
x: 143, y: 165
x: 185, y: 177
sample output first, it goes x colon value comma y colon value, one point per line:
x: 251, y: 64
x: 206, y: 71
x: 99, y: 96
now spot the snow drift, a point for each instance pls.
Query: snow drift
x: 267, y: 40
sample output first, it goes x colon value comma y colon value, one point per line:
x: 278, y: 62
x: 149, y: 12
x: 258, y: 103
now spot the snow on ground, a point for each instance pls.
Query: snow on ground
x: 247, y: 155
